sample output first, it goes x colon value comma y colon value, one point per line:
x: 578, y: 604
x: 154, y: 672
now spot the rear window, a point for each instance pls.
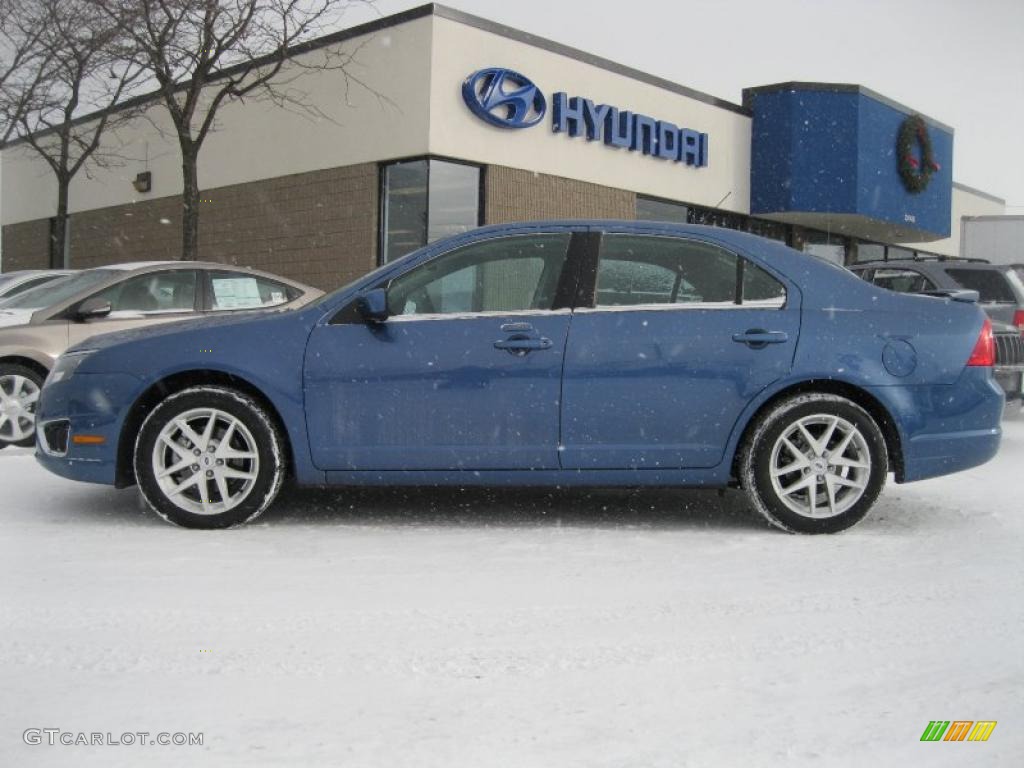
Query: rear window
x: 990, y: 284
x: 902, y: 280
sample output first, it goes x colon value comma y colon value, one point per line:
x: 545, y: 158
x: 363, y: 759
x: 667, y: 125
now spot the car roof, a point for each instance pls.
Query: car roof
x: 142, y: 267
x: 157, y: 266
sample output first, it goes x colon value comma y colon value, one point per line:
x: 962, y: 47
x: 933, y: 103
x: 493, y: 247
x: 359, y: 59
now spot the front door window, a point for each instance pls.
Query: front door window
x: 503, y: 275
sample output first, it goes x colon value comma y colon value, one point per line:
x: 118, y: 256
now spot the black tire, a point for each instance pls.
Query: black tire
x: 258, y: 434
x: 758, y: 456
x: 7, y: 372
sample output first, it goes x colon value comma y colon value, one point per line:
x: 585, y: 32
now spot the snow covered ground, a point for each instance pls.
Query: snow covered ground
x: 468, y: 628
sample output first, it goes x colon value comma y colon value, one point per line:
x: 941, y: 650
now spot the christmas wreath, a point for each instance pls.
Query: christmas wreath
x: 915, y: 173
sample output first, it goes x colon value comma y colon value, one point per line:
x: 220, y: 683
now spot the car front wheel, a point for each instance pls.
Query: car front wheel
x: 209, y: 457
x: 19, y: 393
x: 814, y: 463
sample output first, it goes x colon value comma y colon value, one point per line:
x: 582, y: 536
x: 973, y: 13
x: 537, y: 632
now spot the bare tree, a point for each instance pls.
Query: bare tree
x: 205, y: 53
x: 80, y: 65
x: 21, y: 62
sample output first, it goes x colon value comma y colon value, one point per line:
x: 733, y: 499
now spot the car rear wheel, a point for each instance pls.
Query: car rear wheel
x: 209, y: 457
x: 19, y: 394
x: 814, y: 463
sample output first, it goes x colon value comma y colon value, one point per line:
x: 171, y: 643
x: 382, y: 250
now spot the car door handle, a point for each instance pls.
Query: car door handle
x: 521, y: 346
x: 517, y: 328
x: 758, y: 338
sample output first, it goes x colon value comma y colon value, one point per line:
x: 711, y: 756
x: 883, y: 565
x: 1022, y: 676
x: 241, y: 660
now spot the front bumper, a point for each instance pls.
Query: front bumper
x: 89, y: 404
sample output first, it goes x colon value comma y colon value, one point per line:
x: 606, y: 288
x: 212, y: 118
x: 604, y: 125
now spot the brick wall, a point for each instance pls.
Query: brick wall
x: 26, y: 245
x: 318, y: 227
x: 516, y: 195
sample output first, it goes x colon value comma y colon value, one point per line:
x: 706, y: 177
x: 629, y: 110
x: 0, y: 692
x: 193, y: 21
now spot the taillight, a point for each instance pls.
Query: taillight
x: 985, y: 348
x: 1018, y: 320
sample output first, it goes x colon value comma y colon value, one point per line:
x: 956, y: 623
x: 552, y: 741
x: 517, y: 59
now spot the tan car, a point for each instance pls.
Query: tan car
x: 39, y: 324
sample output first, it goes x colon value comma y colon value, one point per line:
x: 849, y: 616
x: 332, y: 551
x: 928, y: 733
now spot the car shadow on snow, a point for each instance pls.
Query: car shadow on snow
x: 455, y: 507
x: 488, y: 507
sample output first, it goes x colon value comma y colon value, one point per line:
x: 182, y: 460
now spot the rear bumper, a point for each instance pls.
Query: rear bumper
x: 934, y: 455
x: 948, y: 428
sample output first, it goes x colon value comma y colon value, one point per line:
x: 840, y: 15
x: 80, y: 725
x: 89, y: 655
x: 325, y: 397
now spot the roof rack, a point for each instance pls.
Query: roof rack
x: 925, y: 257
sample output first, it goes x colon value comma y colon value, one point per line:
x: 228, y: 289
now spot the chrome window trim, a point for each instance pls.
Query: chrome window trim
x: 474, y: 315
x: 707, y: 305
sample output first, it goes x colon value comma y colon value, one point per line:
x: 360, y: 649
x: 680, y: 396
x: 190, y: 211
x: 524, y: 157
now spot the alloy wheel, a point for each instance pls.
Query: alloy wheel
x: 205, y: 461
x: 18, y: 398
x: 820, y: 466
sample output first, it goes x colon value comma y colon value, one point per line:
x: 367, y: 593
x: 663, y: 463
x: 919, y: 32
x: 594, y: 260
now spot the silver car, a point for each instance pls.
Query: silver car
x: 39, y: 324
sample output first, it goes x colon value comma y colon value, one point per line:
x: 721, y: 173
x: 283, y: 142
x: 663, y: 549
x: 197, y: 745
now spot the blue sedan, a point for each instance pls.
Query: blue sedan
x: 575, y: 353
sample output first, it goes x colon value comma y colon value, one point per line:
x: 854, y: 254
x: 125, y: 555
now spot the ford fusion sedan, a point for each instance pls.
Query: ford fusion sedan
x: 39, y: 324
x: 566, y: 353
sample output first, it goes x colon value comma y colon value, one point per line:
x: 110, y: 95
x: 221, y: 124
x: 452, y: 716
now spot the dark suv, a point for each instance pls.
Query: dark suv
x: 1000, y: 293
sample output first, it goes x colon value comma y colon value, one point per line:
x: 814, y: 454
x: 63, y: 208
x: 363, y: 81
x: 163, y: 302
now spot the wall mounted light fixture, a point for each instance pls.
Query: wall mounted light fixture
x: 143, y: 181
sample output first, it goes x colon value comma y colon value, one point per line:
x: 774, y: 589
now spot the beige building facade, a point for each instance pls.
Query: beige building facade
x: 398, y: 156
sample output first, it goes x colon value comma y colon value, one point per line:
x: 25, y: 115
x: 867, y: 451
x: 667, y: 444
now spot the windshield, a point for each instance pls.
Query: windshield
x: 56, y: 291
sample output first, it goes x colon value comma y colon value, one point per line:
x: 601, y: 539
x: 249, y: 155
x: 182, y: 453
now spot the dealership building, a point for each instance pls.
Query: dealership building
x: 449, y: 121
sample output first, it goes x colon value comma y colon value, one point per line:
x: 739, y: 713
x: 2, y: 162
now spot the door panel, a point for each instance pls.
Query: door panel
x: 663, y: 388
x: 436, y: 393
x: 465, y: 374
x: 679, y: 335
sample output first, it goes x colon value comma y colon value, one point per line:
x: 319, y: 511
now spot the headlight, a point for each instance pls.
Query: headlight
x: 67, y: 364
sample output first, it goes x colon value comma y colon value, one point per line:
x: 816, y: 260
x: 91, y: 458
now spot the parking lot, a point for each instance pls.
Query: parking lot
x: 440, y: 627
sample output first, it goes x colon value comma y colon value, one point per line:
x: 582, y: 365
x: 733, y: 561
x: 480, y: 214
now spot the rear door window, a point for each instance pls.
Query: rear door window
x: 990, y: 284
x: 645, y: 270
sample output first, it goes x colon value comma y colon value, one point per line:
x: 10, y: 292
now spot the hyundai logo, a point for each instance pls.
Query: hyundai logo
x: 504, y: 98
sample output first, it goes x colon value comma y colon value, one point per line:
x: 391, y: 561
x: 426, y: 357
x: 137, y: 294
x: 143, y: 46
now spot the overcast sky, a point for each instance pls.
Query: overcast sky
x: 958, y: 61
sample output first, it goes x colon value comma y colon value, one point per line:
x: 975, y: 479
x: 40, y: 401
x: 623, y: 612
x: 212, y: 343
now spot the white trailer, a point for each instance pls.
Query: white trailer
x: 999, y: 239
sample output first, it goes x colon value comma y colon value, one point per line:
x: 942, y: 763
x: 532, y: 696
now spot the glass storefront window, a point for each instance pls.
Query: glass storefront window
x: 773, y: 230
x: 870, y: 252
x: 825, y: 246
x: 895, y: 252
x: 648, y: 209
x: 715, y: 218
x: 426, y: 200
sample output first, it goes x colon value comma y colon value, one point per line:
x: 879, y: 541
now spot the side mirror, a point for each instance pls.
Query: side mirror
x: 92, y: 309
x: 373, y: 305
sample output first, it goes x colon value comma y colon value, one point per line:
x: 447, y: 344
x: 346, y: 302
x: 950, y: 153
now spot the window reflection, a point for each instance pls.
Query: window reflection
x: 405, y: 208
x: 426, y: 200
